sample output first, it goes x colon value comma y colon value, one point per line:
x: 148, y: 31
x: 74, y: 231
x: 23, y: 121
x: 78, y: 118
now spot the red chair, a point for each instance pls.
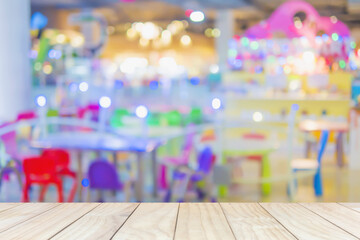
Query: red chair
x: 62, y: 162
x: 42, y: 171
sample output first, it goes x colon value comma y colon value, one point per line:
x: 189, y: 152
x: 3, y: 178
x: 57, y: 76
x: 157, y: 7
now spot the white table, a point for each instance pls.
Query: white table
x: 96, y: 141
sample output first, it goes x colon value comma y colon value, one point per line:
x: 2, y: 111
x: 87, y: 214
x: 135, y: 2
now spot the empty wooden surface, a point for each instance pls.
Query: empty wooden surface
x: 180, y: 221
x: 251, y: 221
x: 202, y: 221
x: 354, y: 206
x: 150, y: 221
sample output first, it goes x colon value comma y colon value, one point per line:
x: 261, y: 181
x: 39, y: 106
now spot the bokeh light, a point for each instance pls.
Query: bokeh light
x: 41, y: 101
x: 141, y: 111
x: 216, y: 103
x: 85, y: 182
x: 195, y: 81
x: 154, y: 85
x: 83, y: 86
x: 197, y: 16
x: 295, y: 107
x: 105, y: 102
x: 47, y: 69
x: 214, y: 68
x: 185, y: 40
x: 257, y: 117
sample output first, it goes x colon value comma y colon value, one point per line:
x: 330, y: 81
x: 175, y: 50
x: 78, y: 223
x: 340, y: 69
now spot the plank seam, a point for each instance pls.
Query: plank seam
x: 15, y: 205
x: 74, y: 220
x: 30, y: 217
x: 176, y: 221
x: 277, y: 220
x: 328, y: 220
x: 227, y: 220
x: 125, y: 221
x: 358, y: 211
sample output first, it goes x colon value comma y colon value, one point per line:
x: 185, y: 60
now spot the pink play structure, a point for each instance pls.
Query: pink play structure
x: 281, y: 24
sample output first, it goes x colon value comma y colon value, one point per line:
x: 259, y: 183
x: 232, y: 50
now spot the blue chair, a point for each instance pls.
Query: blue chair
x: 313, y: 165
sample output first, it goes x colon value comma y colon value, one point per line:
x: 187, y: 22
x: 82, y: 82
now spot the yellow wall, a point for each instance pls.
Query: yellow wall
x: 311, y: 104
x: 234, y: 106
x: 342, y: 80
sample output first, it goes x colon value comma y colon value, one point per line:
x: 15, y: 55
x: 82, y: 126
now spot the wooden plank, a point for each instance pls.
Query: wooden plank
x: 341, y: 216
x: 150, y: 221
x: 354, y: 206
x: 21, y: 213
x: 100, y: 223
x: 251, y: 221
x: 202, y: 221
x: 303, y: 223
x: 46, y: 225
x: 6, y: 206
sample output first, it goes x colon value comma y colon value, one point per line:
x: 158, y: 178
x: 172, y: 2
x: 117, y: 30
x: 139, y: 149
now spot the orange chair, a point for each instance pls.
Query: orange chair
x: 42, y: 171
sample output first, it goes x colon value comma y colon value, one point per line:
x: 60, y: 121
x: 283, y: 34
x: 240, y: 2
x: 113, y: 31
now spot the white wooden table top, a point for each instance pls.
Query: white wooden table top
x: 180, y: 221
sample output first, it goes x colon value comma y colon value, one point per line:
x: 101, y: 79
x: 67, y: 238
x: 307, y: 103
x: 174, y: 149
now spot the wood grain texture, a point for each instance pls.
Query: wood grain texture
x: 46, y: 225
x: 150, y: 221
x: 202, y: 221
x: 22, y: 212
x: 303, y: 223
x: 5, y: 206
x: 251, y: 221
x: 180, y: 221
x: 354, y: 206
x: 341, y: 216
x: 100, y: 223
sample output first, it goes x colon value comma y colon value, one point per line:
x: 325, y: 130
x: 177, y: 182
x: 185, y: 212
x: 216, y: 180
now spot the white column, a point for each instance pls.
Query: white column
x: 224, y: 22
x: 88, y: 28
x: 15, y: 77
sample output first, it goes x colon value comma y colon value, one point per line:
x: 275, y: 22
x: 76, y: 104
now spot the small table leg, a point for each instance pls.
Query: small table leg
x: 139, y: 186
x: 223, y: 190
x: 155, y: 172
x: 340, y: 149
x: 266, y: 173
x: 80, y: 175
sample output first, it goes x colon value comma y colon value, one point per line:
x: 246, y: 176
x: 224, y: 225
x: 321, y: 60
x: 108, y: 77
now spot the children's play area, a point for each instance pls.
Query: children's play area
x: 179, y: 101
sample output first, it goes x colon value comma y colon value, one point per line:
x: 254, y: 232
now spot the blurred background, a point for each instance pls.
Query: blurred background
x: 193, y: 100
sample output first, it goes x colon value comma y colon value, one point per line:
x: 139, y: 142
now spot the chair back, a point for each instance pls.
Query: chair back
x: 322, y: 144
x: 9, y: 141
x: 205, y: 160
x: 61, y: 157
x: 39, y: 168
x: 103, y: 175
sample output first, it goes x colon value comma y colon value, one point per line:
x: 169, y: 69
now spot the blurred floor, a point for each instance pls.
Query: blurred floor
x: 340, y: 184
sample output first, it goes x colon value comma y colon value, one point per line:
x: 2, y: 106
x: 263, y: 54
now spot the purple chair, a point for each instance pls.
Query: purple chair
x: 183, y: 159
x: 13, y: 163
x: 186, y: 175
x: 103, y: 176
